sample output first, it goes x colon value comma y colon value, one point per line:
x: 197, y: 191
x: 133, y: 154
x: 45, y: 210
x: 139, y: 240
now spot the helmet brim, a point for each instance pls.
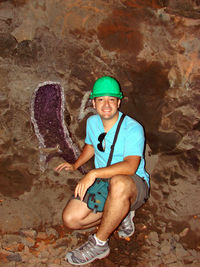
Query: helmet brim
x: 92, y: 96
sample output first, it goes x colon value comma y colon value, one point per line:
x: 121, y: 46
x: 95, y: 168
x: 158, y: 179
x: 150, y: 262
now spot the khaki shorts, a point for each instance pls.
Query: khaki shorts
x: 142, y: 192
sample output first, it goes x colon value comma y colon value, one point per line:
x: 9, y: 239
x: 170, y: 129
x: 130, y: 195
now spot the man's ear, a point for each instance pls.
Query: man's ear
x: 93, y: 103
x: 119, y: 102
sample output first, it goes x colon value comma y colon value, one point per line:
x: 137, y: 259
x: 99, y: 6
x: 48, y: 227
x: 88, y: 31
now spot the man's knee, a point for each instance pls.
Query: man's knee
x: 72, y: 214
x: 121, y: 185
x: 69, y: 220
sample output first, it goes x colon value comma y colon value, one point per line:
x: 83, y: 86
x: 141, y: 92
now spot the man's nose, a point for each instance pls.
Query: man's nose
x: 106, y: 104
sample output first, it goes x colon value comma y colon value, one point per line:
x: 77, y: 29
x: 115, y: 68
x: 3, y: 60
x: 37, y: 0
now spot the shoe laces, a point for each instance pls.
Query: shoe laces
x: 126, y: 222
x: 86, y: 250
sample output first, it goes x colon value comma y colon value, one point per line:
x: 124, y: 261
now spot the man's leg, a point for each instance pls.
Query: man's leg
x: 77, y: 215
x: 122, y: 193
x: 127, y: 227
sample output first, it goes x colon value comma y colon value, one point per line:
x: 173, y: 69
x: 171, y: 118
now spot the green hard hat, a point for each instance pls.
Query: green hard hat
x: 106, y: 86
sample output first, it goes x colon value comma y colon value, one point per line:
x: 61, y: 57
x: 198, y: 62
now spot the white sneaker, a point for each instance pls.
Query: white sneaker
x: 127, y: 227
x: 88, y: 252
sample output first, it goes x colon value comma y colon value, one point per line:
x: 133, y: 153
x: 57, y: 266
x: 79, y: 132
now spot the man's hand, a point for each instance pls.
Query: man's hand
x: 67, y: 166
x: 84, y: 184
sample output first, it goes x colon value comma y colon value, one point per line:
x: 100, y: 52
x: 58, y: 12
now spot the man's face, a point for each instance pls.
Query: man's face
x: 106, y: 106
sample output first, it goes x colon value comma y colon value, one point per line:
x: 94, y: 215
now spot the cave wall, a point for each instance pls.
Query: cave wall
x: 151, y: 47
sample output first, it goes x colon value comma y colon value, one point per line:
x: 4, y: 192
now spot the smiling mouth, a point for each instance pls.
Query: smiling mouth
x: 106, y: 110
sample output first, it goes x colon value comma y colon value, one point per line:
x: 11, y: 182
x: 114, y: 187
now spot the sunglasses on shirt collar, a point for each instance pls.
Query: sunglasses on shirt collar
x: 100, y: 139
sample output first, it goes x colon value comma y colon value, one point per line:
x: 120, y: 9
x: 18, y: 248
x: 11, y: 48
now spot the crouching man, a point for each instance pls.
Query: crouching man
x: 128, y: 182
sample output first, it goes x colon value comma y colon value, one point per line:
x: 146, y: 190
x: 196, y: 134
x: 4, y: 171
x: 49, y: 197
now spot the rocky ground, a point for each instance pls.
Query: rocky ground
x: 155, y: 243
x: 39, y: 239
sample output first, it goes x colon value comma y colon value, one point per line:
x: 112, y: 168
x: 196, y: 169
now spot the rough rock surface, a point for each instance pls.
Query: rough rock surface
x: 152, y: 48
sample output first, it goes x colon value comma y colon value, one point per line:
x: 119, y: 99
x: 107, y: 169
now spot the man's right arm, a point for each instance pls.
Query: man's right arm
x: 86, y: 154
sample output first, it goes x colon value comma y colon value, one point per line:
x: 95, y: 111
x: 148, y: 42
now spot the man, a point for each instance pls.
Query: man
x: 128, y: 180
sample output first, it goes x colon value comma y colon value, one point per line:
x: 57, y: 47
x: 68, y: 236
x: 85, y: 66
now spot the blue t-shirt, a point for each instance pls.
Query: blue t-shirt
x: 130, y: 142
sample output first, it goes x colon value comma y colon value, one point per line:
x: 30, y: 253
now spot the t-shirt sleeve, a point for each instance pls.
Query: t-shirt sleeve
x: 134, y: 141
x: 88, y: 133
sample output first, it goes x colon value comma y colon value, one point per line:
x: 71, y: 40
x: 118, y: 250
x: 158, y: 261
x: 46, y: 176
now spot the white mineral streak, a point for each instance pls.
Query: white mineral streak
x: 84, y: 111
x: 42, y: 155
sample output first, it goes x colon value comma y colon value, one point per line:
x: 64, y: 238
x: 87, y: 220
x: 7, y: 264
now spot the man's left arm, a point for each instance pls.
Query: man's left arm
x: 126, y: 167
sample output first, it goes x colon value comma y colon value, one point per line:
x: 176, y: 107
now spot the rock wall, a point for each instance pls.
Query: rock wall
x: 151, y: 47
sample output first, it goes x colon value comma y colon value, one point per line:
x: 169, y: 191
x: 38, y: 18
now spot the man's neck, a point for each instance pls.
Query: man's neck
x: 108, y: 124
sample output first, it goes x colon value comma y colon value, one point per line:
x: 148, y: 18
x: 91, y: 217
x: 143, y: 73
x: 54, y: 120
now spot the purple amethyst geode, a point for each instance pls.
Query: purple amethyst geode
x: 47, y: 115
